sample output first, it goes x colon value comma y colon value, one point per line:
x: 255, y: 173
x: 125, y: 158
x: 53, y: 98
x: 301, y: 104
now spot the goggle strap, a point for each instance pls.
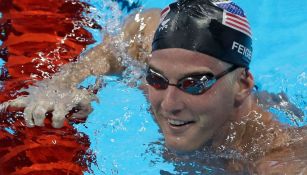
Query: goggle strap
x: 220, y: 75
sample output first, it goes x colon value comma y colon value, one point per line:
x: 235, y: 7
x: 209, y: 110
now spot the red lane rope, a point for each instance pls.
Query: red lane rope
x: 26, y: 28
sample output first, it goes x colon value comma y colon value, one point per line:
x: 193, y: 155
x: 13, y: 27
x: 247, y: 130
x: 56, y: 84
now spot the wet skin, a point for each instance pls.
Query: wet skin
x: 189, y: 121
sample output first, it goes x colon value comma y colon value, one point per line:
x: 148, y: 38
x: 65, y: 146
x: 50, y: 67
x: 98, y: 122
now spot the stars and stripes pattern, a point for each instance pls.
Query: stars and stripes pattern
x: 237, y: 22
x: 164, y: 13
x: 234, y: 17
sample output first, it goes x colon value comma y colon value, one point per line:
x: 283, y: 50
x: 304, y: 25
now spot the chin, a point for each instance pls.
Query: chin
x: 176, y: 146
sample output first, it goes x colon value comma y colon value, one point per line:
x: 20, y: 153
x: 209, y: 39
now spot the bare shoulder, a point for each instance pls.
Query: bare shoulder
x: 146, y: 21
x: 138, y: 30
x: 288, y: 159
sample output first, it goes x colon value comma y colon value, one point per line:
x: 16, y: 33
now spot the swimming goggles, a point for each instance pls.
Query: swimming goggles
x: 192, y: 84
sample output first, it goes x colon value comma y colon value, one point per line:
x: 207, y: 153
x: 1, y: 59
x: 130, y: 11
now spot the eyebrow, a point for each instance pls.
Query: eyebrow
x: 192, y: 73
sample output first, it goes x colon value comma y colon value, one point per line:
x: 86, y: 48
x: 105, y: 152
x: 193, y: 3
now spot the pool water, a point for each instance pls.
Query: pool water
x: 122, y: 132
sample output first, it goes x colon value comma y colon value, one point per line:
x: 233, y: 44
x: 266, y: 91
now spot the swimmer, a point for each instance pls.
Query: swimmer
x: 198, y: 83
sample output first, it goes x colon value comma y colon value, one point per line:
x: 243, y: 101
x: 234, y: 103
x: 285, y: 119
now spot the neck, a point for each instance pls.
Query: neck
x: 250, y: 132
x: 245, y: 108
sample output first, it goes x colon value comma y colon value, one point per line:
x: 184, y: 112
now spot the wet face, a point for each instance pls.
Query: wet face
x: 189, y: 121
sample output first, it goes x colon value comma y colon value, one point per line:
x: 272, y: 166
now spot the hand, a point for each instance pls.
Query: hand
x: 59, y: 99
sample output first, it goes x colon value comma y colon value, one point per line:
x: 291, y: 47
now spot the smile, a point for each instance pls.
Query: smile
x: 178, y: 122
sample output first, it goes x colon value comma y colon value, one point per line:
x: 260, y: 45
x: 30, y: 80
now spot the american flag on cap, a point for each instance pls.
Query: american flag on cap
x: 164, y: 12
x: 234, y: 17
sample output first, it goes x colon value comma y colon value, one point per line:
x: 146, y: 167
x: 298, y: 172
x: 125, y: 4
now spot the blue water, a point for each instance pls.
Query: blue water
x: 123, y: 135
x: 121, y: 130
x: 279, y: 40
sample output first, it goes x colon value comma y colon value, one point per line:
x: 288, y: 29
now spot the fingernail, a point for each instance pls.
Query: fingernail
x: 30, y: 124
x: 57, y: 124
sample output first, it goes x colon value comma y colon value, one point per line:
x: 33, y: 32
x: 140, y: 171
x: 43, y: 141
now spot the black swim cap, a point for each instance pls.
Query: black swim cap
x: 217, y: 28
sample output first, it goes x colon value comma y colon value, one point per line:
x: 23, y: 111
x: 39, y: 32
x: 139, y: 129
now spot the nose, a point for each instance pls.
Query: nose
x: 172, y: 102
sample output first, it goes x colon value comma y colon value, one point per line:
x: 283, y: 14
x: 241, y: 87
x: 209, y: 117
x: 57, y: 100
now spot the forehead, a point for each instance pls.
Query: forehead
x: 184, y: 61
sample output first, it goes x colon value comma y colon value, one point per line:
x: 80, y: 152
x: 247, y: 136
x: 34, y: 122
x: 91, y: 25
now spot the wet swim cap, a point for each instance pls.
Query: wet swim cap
x: 217, y: 28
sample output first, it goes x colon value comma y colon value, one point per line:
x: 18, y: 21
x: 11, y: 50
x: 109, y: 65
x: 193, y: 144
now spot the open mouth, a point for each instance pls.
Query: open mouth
x: 178, y: 123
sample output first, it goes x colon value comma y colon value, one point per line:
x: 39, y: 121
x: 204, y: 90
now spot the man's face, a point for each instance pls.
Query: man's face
x: 189, y: 121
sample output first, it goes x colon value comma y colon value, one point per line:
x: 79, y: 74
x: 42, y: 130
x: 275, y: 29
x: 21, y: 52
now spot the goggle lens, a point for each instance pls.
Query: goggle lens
x: 194, y: 84
x: 156, y: 81
x: 191, y: 85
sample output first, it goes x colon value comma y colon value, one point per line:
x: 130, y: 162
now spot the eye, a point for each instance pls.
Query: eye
x: 188, y: 83
x: 206, y: 80
x: 203, y: 79
x: 195, y: 84
x: 193, y: 81
x: 156, y: 80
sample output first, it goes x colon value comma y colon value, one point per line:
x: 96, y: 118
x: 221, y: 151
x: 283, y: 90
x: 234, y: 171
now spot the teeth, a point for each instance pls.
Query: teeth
x: 176, y: 122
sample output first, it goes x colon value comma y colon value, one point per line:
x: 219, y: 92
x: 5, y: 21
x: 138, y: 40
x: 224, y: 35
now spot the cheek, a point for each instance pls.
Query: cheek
x: 154, y: 97
x: 205, y: 103
x: 213, y: 106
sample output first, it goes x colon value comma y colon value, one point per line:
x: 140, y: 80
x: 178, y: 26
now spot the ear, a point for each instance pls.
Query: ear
x: 245, y: 86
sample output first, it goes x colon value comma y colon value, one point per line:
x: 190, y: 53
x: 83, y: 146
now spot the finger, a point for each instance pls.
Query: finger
x: 98, y: 85
x: 85, y: 96
x: 4, y: 106
x: 93, y: 97
x: 84, y: 111
x: 58, y: 116
x: 27, y: 115
x: 19, y: 102
x: 88, y: 97
x: 39, y: 113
